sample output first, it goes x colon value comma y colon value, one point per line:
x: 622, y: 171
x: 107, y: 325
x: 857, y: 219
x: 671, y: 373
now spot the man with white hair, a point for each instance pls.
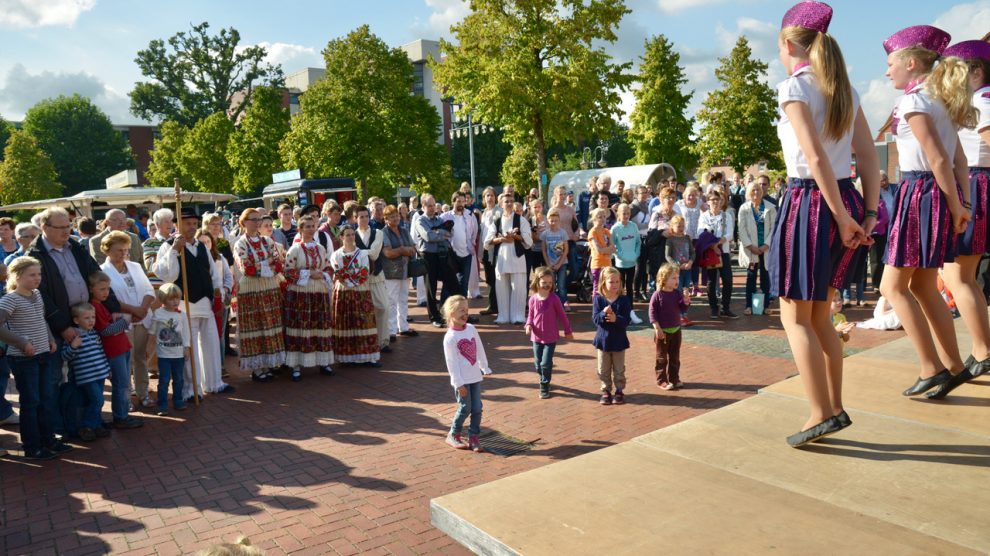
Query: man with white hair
x: 163, y: 219
x: 116, y: 220
x: 605, y: 184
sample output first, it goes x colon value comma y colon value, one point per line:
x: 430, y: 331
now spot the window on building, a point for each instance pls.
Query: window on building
x: 418, y: 83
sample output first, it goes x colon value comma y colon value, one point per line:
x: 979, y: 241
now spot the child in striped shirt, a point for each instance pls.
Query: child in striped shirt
x: 88, y: 369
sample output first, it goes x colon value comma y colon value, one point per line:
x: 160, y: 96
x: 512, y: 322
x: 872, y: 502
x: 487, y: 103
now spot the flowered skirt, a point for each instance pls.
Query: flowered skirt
x: 308, y: 335
x: 259, y: 323
x: 976, y: 239
x: 920, y: 233
x: 355, y: 332
x: 807, y: 256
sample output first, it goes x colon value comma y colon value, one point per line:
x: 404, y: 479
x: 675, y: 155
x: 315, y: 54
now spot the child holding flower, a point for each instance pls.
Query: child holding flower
x: 355, y: 332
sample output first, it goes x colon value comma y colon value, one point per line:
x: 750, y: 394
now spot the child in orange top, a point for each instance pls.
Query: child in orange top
x: 600, y: 243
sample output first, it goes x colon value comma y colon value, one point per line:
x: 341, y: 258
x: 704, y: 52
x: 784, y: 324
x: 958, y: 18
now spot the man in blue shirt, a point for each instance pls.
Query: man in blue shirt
x: 432, y: 235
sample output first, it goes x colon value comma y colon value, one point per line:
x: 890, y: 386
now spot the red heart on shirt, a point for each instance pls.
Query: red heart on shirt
x: 469, y: 349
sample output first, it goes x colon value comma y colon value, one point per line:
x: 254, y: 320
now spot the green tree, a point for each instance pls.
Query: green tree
x: 519, y: 168
x: 737, y: 121
x: 253, y: 151
x: 661, y: 129
x: 537, y: 69
x: 26, y: 173
x: 165, y: 165
x: 203, y: 155
x: 197, y: 74
x: 5, y: 131
x: 490, y: 152
x: 363, y: 122
x: 80, y: 140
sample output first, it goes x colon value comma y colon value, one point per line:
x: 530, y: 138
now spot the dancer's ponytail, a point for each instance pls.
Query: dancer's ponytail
x: 830, y: 73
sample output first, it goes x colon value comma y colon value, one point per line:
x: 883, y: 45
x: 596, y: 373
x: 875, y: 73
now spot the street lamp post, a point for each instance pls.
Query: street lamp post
x: 467, y: 126
x: 588, y: 157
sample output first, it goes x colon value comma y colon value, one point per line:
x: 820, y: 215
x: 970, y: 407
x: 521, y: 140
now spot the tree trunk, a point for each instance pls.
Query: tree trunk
x: 541, y: 156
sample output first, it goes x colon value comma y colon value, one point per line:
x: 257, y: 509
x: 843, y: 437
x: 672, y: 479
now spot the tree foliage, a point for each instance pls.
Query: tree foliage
x: 5, y: 131
x: 519, y: 168
x: 737, y: 121
x: 26, y: 173
x: 165, y: 166
x: 253, y: 151
x: 490, y: 152
x: 661, y: 129
x: 80, y: 140
x: 196, y: 74
x: 537, y: 69
x: 362, y: 121
x: 203, y: 155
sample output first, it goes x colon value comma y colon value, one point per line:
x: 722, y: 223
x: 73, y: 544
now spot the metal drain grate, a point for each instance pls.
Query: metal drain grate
x: 500, y: 444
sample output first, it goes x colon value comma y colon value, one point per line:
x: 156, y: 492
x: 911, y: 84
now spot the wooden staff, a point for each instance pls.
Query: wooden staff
x: 185, y: 291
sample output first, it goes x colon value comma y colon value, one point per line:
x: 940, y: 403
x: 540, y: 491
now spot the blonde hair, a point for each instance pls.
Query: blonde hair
x: 830, y: 75
x: 675, y: 220
x: 622, y: 207
x: 167, y: 291
x: 17, y: 267
x: 604, y: 276
x: 948, y: 83
x: 79, y: 309
x: 665, y: 272
x: 98, y: 277
x: 113, y: 238
x: 452, y: 303
x: 539, y: 273
x: 598, y: 212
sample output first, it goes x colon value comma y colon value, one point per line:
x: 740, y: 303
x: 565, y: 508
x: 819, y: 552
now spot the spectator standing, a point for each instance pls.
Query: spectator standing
x: 510, y: 237
x: 7, y: 242
x: 397, y: 248
x: 432, y: 236
x: 756, y: 221
x: 286, y: 230
x: 490, y: 213
x: 370, y: 240
x: 116, y: 221
x: 26, y: 233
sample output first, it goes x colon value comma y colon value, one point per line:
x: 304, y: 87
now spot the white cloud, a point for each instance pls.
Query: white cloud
x: 41, y: 13
x: 877, y: 98
x: 443, y: 14
x: 291, y: 57
x: 965, y: 21
x: 673, y: 6
x: 22, y: 90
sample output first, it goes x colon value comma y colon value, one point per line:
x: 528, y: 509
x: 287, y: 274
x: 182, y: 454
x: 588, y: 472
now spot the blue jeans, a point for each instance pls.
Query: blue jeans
x: 572, y: 263
x: 469, y: 404
x: 463, y: 272
x: 37, y: 388
x: 171, y: 369
x: 860, y: 286
x: 684, y: 279
x: 90, y: 396
x: 543, y: 358
x: 6, y: 410
x: 759, y: 268
x: 560, y: 277
x: 120, y: 381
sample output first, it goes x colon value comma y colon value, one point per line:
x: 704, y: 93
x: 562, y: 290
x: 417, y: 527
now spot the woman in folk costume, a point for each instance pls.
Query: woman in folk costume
x: 259, y: 298
x: 972, y: 244
x: 308, y: 339
x: 823, y: 222
x: 930, y: 208
x: 355, y: 332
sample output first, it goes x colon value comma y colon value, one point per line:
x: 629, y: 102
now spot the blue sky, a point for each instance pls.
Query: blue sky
x: 51, y: 47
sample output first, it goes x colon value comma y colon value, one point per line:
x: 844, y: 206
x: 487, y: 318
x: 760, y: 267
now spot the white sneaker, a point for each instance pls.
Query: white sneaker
x: 635, y: 318
x: 14, y: 419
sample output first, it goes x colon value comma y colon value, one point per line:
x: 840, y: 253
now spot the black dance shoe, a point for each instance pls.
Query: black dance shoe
x: 821, y: 430
x: 925, y: 384
x: 978, y: 368
x: 843, y: 419
x: 944, y: 389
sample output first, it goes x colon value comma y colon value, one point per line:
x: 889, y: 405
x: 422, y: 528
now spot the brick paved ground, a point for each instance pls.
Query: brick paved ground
x: 348, y: 464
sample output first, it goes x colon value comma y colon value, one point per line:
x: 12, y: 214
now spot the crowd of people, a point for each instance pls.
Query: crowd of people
x: 316, y: 286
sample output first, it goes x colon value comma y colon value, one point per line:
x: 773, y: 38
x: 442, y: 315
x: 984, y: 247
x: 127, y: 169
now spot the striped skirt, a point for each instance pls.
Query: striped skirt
x: 976, y: 239
x: 807, y: 256
x: 308, y: 336
x: 355, y: 332
x: 259, y: 323
x: 920, y: 233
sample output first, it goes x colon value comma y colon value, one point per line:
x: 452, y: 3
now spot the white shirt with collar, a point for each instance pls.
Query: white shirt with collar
x: 374, y: 251
x: 977, y: 150
x: 464, y: 236
x: 167, y: 268
x: 911, y: 157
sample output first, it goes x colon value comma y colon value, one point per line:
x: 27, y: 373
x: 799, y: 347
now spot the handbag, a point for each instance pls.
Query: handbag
x: 416, y: 267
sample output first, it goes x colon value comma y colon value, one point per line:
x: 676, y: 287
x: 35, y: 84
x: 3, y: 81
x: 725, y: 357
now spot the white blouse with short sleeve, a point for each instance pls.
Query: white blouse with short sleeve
x: 801, y: 87
x: 910, y: 154
x: 976, y: 149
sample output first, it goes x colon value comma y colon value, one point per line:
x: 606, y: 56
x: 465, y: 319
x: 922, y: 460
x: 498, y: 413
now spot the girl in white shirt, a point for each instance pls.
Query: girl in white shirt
x: 818, y: 236
x: 930, y: 208
x: 960, y: 275
x: 466, y: 363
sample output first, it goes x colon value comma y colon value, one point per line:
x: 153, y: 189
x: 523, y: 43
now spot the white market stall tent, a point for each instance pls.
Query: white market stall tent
x: 83, y: 202
x: 645, y: 174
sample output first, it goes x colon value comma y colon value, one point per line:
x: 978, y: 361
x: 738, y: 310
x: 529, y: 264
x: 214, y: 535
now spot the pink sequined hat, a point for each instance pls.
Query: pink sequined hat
x: 969, y: 50
x: 808, y: 15
x: 926, y: 36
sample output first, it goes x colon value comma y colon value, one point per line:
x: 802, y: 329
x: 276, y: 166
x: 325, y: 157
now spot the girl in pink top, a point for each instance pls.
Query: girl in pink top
x: 545, y: 317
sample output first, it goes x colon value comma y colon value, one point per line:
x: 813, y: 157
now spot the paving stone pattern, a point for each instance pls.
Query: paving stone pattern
x: 348, y: 464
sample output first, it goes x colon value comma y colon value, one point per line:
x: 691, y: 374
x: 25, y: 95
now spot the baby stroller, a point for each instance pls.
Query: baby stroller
x: 580, y: 286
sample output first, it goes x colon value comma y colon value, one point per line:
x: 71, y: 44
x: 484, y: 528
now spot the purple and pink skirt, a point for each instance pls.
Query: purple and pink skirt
x: 976, y: 239
x: 920, y: 233
x: 807, y: 256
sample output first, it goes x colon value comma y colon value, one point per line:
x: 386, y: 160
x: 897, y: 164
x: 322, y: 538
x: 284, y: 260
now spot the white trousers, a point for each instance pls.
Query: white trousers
x: 510, y: 292
x: 421, y: 290
x: 381, y: 300
x: 207, y: 352
x: 398, y: 310
x: 474, y: 286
